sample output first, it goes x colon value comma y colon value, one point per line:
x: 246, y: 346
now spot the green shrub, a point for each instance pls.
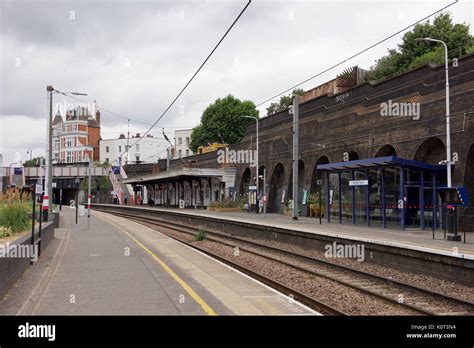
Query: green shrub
x: 201, y: 234
x: 14, y: 215
x: 228, y: 203
x: 5, y: 232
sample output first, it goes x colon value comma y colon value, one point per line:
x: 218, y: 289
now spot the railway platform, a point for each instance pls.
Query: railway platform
x: 119, y: 267
x: 417, y: 240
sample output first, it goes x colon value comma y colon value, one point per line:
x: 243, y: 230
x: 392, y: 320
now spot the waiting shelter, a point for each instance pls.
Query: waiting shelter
x: 389, y: 192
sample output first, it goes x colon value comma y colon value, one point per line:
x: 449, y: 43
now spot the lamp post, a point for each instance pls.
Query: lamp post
x: 29, y: 152
x: 77, y: 182
x: 448, y: 130
x: 256, y: 170
x: 49, y: 153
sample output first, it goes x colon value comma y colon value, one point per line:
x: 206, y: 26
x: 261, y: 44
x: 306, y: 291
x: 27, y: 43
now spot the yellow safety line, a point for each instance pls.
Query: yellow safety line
x: 176, y: 277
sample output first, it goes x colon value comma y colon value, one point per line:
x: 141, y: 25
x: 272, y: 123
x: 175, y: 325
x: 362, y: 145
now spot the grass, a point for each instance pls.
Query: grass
x: 14, y: 215
x: 201, y: 234
x: 14, y: 212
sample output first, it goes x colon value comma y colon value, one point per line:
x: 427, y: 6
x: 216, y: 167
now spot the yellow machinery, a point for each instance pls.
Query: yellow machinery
x: 210, y: 148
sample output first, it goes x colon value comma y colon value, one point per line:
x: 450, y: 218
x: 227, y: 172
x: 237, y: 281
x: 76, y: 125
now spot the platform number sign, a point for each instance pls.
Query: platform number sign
x: 345, y: 156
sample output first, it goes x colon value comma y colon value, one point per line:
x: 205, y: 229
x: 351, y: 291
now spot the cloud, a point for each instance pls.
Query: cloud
x: 133, y: 57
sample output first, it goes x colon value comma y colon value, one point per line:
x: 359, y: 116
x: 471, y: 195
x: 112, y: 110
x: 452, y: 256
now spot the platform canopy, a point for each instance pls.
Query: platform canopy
x: 388, y: 161
x: 184, y: 174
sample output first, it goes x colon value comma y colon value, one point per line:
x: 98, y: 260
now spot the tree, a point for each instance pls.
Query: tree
x: 284, y: 102
x: 34, y: 162
x: 222, y: 122
x: 99, y: 184
x: 412, y: 53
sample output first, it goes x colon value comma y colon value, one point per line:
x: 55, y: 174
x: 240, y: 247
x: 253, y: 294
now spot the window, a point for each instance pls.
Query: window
x: 180, y: 141
x: 187, y: 140
x: 187, y: 152
x: 180, y: 153
x: 107, y: 149
x: 107, y: 160
x: 120, y: 148
x: 68, y: 142
x: 69, y: 157
x: 120, y: 161
x: 137, y: 148
x: 137, y: 158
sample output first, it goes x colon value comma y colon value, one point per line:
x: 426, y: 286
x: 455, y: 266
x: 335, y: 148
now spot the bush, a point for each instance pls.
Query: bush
x: 228, y: 203
x: 201, y: 234
x: 5, y: 232
x: 14, y: 215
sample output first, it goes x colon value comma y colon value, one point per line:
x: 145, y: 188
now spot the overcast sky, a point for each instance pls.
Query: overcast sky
x: 133, y: 57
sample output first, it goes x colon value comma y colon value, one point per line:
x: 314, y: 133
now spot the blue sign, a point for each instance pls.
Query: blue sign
x: 18, y: 170
x: 454, y: 195
x: 116, y: 169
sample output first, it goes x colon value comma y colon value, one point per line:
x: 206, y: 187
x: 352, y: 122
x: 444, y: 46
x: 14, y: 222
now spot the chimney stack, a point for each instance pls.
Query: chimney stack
x: 97, y: 117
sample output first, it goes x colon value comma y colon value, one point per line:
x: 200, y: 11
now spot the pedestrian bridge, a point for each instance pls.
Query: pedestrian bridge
x: 58, y: 171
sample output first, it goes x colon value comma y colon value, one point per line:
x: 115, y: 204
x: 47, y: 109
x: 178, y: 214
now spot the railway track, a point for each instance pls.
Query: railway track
x: 419, y: 300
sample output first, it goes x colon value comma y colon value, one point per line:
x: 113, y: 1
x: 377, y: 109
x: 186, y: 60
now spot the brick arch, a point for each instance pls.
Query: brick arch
x: 244, y: 180
x: 386, y: 150
x: 301, y: 175
x: 467, y: 223
x: 277, y: 184
x: 315, y: 174
x: 431, y: 151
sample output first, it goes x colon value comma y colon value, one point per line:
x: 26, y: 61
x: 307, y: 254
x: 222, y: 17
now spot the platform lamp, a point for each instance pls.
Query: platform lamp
x: 448, y: 161
x: 49, y: 153
x: 448, y: 129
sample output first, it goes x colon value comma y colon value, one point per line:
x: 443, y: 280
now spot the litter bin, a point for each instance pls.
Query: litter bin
x: 452, y: 224
x: 451, y: 221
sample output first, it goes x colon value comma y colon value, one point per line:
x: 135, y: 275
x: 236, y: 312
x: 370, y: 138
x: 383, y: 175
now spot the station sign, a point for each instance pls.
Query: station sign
x: 358, y: 182
x: 252, y: 188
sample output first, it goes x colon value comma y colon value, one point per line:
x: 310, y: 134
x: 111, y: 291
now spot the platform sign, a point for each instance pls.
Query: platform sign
x: 39, y: 189
x: 453, y: 195
x: 358, y: 182
x: 18, y: 170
